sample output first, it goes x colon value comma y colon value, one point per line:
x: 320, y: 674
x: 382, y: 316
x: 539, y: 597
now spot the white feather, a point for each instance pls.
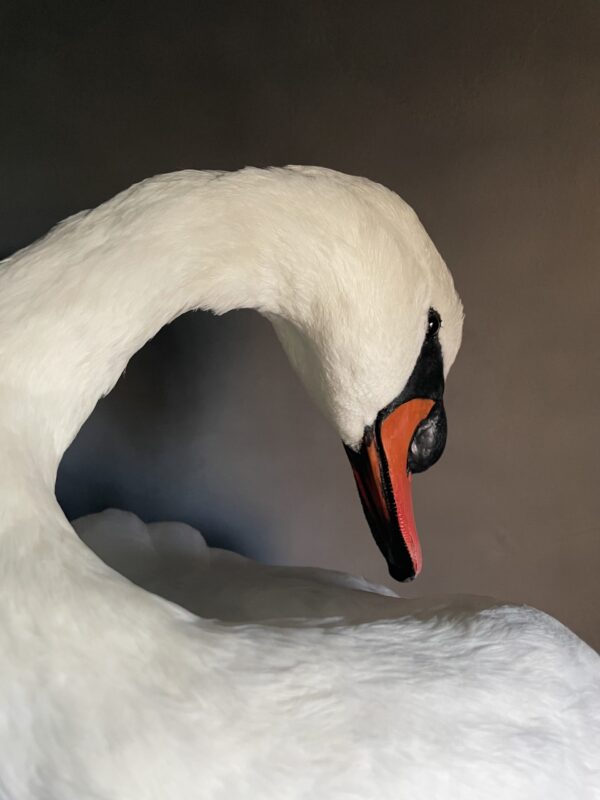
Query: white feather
x: 290, y: 684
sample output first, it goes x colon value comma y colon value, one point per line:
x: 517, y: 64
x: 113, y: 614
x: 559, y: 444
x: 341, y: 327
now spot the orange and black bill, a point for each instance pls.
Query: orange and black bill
x: 408, y: 436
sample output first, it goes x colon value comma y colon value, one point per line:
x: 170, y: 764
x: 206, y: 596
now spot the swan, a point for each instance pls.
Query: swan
x: 109, y: 691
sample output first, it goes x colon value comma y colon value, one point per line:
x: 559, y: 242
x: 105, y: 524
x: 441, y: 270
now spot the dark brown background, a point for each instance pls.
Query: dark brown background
x: 485, y: 116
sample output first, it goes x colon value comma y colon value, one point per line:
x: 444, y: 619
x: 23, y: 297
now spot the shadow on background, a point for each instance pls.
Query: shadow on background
x: 153, y: 445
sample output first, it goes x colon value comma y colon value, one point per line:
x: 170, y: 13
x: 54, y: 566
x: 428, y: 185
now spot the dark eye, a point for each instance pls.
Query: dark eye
x: 434, y: 322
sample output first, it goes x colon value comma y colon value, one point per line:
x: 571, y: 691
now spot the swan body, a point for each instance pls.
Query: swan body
x: 172, y: 560
x: 109, y: 691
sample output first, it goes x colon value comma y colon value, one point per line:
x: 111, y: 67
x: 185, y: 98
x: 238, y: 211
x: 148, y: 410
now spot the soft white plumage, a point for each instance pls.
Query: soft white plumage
x: 109, y: 691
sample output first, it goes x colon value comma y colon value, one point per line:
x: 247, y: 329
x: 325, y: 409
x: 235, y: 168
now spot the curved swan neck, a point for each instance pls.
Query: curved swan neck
x: 341, y: 266
x: 76, y: 305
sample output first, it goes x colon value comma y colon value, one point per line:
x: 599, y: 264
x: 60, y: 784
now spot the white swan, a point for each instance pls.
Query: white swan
x: 108, y: 691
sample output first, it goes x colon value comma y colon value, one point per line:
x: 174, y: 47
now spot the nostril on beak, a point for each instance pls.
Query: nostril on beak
x: 429, y: 440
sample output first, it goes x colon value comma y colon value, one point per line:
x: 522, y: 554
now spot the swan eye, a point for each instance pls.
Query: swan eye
x: 434, y: 322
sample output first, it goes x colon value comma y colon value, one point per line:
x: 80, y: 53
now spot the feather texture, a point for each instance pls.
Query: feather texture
x: 241, y: 680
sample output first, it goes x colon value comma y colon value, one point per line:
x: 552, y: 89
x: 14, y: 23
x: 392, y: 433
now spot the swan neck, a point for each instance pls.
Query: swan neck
x: 76, y: 305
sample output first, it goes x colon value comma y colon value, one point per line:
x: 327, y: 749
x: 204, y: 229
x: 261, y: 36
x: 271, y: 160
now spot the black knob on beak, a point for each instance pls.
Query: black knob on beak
x: 428, y: 443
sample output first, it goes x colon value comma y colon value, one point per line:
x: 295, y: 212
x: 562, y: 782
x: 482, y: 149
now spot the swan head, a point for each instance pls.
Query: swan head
x: 372, y: 327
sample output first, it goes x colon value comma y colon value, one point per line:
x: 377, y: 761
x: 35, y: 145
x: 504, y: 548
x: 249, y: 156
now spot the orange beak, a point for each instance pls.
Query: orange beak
x: 383, y: 477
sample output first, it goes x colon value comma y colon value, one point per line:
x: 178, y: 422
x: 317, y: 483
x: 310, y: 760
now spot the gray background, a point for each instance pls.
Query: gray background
x: 485, y: 117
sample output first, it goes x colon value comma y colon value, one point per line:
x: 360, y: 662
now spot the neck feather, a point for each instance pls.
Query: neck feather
x: 76, y: 305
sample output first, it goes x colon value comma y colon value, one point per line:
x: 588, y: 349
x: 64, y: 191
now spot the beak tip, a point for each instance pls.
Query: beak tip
x: 402, y: 574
